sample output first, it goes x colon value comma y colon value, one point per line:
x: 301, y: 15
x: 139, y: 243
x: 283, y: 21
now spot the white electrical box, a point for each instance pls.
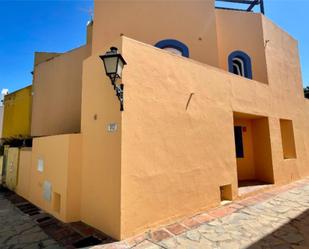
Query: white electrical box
x: 47, y: 190
x: 40, y: 165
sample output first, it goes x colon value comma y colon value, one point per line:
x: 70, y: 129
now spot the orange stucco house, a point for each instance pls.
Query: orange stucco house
x: 211, y: 100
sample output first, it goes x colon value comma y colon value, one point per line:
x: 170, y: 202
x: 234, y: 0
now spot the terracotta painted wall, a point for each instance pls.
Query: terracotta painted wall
x: 11, y: 168
x: 257, y: 161
x: 61, y: 167
x: 40, y: 57
x: 101, y: 173
x: 245, y: 165
x: 306, y: 127
x: 242, y: 31
x: 156, y: 102
x: 262, y: 150
x: 173, y: 150
x: 166, y: 149
x: 24, y: 173
x: 287, y: 102
x: 151, y: 21
x: 17, y: 114
x: 74, y: 178
x: 288, y: 140
x: 57, y: 83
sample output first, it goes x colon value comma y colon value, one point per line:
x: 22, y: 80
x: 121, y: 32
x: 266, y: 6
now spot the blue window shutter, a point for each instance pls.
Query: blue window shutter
x: 245, y: 58
x: 170, y: 43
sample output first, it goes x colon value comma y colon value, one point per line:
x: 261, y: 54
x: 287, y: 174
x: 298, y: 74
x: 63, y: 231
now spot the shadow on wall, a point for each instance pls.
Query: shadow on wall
x: 293, y: 234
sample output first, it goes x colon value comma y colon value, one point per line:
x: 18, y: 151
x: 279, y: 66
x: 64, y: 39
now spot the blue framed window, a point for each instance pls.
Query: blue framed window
x: 240, y: 64
x: 174, y: 46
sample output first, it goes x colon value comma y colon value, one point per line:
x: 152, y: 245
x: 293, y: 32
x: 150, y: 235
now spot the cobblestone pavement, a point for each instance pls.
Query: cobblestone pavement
x: 18, y: 231
x: 276, y: 219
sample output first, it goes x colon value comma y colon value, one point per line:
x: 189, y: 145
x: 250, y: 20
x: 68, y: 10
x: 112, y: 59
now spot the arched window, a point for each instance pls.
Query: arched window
x: 240, y: 64
x: 173, y: 46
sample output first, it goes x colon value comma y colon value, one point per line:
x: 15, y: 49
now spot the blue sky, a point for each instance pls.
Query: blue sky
x: 29, y: 26
x: 58, y: 26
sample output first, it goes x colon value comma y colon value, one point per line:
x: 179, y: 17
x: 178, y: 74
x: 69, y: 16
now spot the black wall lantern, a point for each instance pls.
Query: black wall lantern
x: 113, y: 64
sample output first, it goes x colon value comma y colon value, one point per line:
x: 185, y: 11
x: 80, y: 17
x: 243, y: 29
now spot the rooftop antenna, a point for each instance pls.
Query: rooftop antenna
x: 248, y: 4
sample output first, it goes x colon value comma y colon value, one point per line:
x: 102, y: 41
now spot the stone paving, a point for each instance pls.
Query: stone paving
x: 276, y: 219
x: 18, y: 231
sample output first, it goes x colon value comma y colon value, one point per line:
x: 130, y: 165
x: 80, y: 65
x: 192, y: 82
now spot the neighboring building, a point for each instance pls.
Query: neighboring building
x: 17, y: 114
x: 57, y: 86
x: 15, y: 134
x: 222, y: 104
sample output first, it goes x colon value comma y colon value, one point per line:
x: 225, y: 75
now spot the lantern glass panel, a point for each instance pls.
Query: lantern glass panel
x: 110, y: 64
x: 120, y: 67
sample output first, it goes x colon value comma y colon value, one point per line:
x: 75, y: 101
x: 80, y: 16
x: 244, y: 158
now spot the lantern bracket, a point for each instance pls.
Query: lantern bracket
x: 113, y: 65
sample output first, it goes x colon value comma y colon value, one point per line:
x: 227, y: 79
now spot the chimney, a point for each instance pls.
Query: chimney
x: 89, y: 31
